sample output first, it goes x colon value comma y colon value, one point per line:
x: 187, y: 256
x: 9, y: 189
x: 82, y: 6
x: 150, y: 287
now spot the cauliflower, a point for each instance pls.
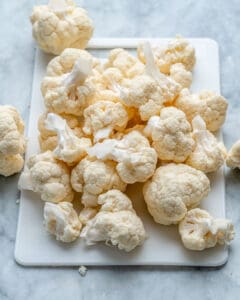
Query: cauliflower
x: 47, y: 176
x: 173, y: 190
x: 62, y: 221
x: 116, y: 223
x: 10, y: 164
x: 12, y: 140
x: 150, y: 91
x: 103, y: 117
x: 59, y: 25
x: 136, y: 159
x: 67, y: 88
x: 86, y: 214
x: 181, y: 75
x: 210, y: 106
x: 199, y: 230
x: 70, y: 148
x: 48, y: 139
x: 176, y: 51
x: 171, y: 135
x: 208, y: 154
x: 233, y: 156
x: 129, y: 65
x: 93, y: 177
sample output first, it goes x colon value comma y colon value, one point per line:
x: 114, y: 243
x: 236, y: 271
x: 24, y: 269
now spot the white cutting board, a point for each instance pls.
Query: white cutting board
x: 35, y: 247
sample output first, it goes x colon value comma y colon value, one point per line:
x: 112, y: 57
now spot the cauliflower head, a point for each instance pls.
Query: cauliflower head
x: 12, y: 140
x: 70, y: 148
x: 103, y: 117
x: 116, y: 223
x: 199, y: 230
x: 173, y: 190
x: 67, y: 87
x: 61, y: 220
x: 92, y: 177
x: 60, y: 25
x: 47, y: 176
x: 181, y: 75
x: 208, y: 155
x: 233, y: 156
x: 171, y: 135
x: 211, y: 107
x: 136, y: 160
x: 10, y: 164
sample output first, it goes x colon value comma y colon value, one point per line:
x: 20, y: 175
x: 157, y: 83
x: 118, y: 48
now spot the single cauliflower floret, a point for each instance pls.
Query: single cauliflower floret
x: 94, y: 177
x: 116, y: 223
x: 136, y: 159
x: 103, y: 117
x: 67, y: 88
x: 199, y: 230
x: 62, y: 221
x: 47, y: 176
x: 59, y: 25
x: 48, y: 139
x: 10, y: 164
x: 150, y: 91
x: 173, y: 190
x: 86, y: 214
x: 176, y: 51
x: 12, y: 140
x: 121, y: 59
x: 70, y: 148
x: 210, y: 106
x: 182, y: 76
x: 171, y: 135
x: 233, y: 156
x: 208, y: 155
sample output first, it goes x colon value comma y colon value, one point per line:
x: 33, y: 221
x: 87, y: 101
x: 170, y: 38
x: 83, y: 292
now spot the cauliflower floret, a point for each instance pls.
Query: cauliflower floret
x: 171, y: 135
x: 103, y: 117
x: 86, y: 214
x: 70, y: 148
x: 209, y: 154
x: 182, y: 76
x: 12, y: 140
x: 10, y: 164
x: 173, y: 190
x: 121, y: 59
x: 94, y: 177
x: 199, y: 230
x: 136, y: 159
x: 150, y: 91
x: 47, y: 176
x: 176, y: 51
x: 210, y: 106
x: 116, y: 223
x: 62, y: 221
x: 59, y: 25
x: 233, y: 156
x: 67, y: 88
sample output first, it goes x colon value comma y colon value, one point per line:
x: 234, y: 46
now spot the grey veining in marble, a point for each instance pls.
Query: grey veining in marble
x: 214, y: 19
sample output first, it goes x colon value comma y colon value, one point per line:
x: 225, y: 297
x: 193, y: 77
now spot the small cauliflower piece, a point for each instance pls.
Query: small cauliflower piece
x: 103, y: 117
x: 199, y: 230
x: 176, y: 51
x: 171, y: 135
x: 60, y: 25
x: 62, y: 221
x: 233, y: 156
x: 70, y: 148
x: 173, y: 190
x: 86, y: 214
x: 67, y: 87
x: 93, y: 177
x: 209, y: 154
x: 182, y: 76
x: 116, y: 223
x: 10, y: 164
x: 136, y: 159
x: 129, y: 65
x: 210, y: 106
x: 47, y: 176
x: 12, y: 140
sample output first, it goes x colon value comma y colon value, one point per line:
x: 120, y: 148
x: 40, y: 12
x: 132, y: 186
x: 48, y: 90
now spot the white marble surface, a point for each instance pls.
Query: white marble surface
x: 214, y: 19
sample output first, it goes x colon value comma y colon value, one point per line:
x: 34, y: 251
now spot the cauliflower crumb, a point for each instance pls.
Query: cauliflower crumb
x: 233, y: 156
x: 82, y: 271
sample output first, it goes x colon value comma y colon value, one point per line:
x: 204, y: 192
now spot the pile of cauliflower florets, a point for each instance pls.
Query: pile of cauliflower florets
x: 106, y: 126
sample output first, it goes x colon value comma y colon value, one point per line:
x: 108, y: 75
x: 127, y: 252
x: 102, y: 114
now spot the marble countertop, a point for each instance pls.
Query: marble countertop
x: 127, y: 18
